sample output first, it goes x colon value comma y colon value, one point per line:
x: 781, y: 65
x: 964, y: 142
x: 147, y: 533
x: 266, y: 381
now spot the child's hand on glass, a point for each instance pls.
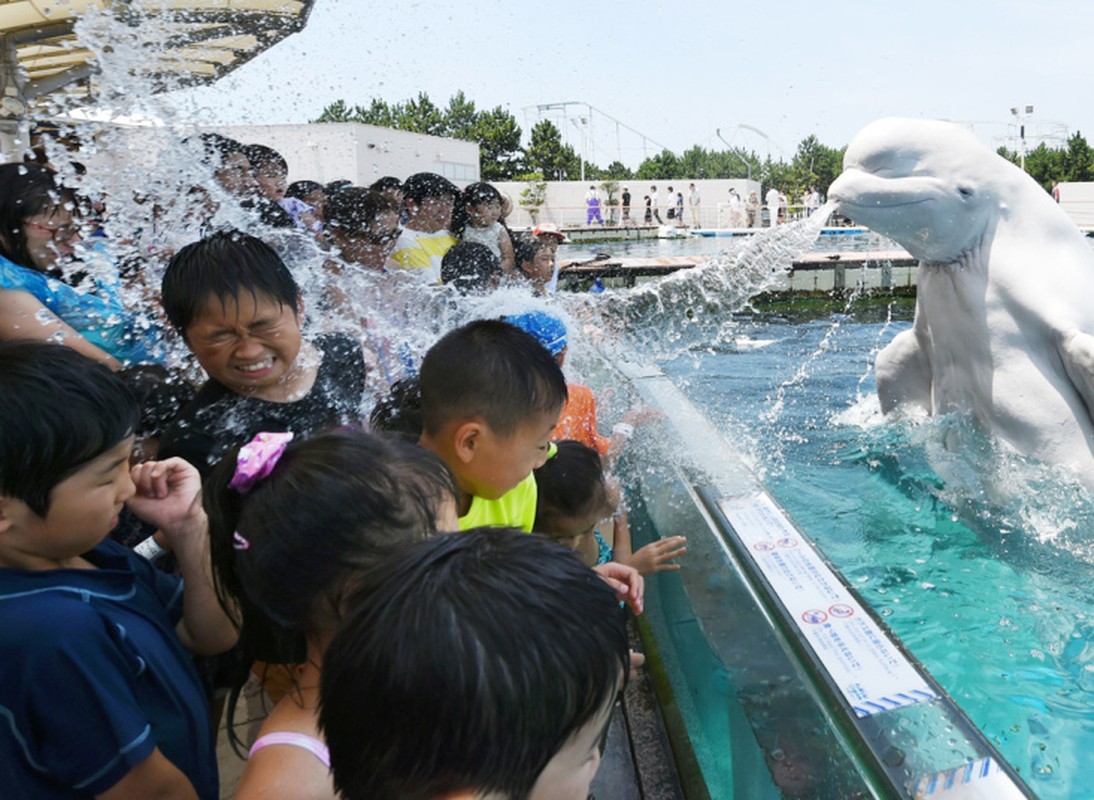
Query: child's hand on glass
x: 168, y: 496
x: 655, y: 556
x: 626, y: 581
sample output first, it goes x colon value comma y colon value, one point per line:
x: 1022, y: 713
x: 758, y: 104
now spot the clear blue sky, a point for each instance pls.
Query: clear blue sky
x: 679, y: 71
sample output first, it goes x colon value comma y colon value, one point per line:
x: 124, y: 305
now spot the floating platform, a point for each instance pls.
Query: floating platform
x: 869, y: 270
x: 731, y: 232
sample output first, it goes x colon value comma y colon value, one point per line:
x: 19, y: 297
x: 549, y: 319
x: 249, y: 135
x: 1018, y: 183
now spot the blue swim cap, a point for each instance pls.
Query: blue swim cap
x: 548, y: 328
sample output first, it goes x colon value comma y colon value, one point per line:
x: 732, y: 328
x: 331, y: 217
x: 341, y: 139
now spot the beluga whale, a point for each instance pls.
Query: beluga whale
x: 1004, y: 317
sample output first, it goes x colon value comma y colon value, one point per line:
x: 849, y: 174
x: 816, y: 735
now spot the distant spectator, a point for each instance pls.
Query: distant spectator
x: 592, y: 206
x: 752, y: 210
x: 428, y: 199
x: 680, y: 209
x: 694, y: 200
x: 671, y: 203
x: 648, y: 218
x: 773, y: 199
x: 652, y: 204
x: 1056, y: 191
x: 626, y: 203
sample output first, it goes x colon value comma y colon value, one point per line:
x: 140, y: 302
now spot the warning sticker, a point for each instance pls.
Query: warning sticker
x: 977, y: 780
x: 873, y: 675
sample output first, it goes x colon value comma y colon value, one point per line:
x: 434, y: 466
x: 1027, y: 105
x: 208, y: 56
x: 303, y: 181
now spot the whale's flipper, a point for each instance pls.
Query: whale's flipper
x: 1077, y: 353
x: 903, y: 375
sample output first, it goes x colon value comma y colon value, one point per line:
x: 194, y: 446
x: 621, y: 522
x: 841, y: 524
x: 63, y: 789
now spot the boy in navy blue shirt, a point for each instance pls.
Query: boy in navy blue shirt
x: 98, y: 694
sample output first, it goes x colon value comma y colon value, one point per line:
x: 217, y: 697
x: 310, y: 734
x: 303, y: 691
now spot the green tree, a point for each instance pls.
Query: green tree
x: 460, y: 119
x: 1078, y: 161
x: 1044, y: 164
x: 778, y: 174
x: 420, y: 115
x: 814, y: 165
x: 547, y: 154
x: 663, y: 166
x: 496, y: 132
x: 619, y: 171
x: 534, y: 194
x: 693, y: 163
x: 498, y: 135
x: 337, y: 111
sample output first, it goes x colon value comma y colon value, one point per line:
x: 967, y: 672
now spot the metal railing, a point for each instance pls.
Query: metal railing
x: 720, y: 215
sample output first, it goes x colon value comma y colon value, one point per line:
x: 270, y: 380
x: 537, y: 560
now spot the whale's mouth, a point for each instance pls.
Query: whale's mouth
x: 878, y: 205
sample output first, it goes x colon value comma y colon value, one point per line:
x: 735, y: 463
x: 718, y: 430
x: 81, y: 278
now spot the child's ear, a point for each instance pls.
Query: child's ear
x: 300, y: 307
x: 5, y: 516
x: 467, y: 440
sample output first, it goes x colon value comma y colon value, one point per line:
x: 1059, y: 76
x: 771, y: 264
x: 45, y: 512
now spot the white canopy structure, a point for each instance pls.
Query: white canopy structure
x: 205, y: 39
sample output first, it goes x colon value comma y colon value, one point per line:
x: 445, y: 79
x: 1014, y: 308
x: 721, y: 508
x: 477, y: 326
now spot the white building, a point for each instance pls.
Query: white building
x: 327, y: 151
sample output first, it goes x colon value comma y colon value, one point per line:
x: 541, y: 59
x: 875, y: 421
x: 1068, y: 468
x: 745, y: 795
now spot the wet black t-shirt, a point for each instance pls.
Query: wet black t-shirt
x: 218, y: 418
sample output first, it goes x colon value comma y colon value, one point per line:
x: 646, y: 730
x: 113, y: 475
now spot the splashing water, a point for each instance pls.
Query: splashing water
x: 692, y: 308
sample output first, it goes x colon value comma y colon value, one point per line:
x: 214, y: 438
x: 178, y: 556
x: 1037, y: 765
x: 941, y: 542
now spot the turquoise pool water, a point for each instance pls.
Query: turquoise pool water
x: 989, y: 591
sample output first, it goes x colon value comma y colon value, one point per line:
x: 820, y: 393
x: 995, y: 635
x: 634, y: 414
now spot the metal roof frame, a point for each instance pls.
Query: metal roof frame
x: 40, y: 55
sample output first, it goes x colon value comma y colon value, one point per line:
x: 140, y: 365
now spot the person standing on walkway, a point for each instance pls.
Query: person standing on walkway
x: 653, y: 205
x: 752, y: 209
x: 592, y: 206
x: 736, y: 210
x: 693, y: 201
x: 626, y: 204
x: 772, y: 199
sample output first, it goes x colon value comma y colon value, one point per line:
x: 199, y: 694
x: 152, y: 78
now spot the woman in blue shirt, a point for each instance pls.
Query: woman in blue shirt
x: 37, y: 233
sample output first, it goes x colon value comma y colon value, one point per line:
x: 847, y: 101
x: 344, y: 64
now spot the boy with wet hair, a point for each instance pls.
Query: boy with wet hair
x: 97, y: 686
x: 238, y: 309
x: 426, y: 654
x: 429, y: 200
x: 491, y: 396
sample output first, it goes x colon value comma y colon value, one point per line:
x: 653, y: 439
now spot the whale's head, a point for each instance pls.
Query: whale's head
x: 929, y: 186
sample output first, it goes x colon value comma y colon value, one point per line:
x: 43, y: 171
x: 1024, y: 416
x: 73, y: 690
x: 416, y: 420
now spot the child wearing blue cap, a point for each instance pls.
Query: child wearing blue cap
x: 578, y: 420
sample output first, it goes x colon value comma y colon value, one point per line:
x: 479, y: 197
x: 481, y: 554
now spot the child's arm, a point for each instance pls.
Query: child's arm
x: 169, y: 496
x: 18, y: 308
x: 508, y: 254
x: 155, y: 778
x: 654, y: 557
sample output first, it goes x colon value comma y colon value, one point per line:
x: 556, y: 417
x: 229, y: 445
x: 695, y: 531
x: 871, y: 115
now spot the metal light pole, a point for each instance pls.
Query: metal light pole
x: 747, y: 163
x: 1020, y: 113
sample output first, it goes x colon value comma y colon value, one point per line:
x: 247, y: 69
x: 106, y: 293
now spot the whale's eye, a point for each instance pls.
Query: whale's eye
x: 965, y: 192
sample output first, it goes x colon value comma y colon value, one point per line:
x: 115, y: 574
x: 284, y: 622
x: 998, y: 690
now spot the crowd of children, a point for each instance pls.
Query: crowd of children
x: 163, y: 534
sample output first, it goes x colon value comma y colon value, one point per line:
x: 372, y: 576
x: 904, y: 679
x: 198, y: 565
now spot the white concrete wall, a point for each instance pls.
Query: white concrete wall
x: 330, y: 151
x: 565, y: 204
x: 1077, y: 199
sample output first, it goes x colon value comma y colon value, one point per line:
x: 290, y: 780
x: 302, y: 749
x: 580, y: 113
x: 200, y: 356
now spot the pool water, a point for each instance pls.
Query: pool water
x: 990, y: 593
